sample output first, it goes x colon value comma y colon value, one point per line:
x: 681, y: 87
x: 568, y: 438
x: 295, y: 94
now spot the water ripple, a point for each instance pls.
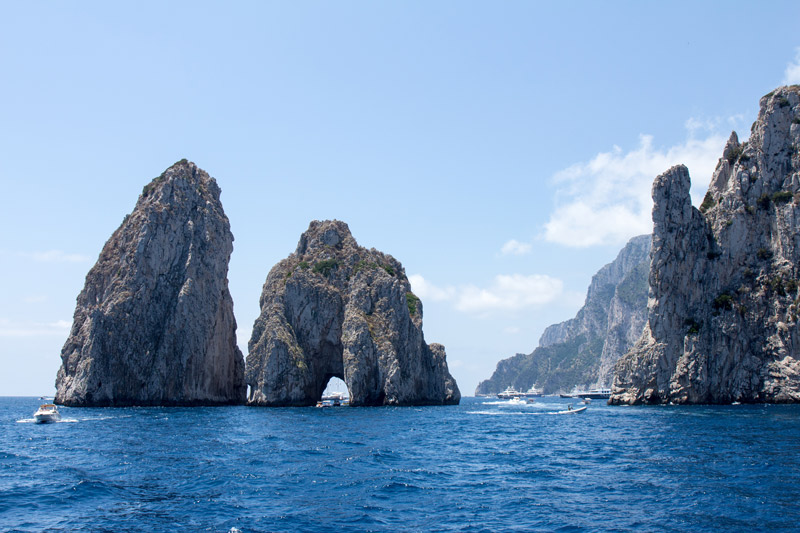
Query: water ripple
x: 481, y: 466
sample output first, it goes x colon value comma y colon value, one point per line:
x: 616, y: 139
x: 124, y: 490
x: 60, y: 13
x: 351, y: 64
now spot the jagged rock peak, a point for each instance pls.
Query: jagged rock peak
x: 335, y: 309
x: 154, y: 322
x: 325, y: 234
x: 722, y: 317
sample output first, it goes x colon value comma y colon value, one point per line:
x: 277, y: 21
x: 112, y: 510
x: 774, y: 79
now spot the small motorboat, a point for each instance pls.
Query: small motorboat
x: 335, y: 399
x: 571, y: 411
x: 46, y: 413
x: 587, y: 401
x: 517, y: 401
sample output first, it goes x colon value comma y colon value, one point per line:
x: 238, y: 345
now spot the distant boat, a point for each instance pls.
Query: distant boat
x: 593, y: 394
x: 334, y: 399
x: 516, y: 400
x: 532, y: 392
x: 509, y: 393
x: 46, y: 413
x: 587, y: 401
x: 571, y: 411
x: 597, y: 394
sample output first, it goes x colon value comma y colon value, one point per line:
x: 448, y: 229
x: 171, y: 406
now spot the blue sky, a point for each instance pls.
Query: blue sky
x: 503, y: 152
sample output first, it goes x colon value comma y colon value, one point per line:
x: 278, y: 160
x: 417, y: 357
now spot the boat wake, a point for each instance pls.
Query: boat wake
x: 63, y: 420
x: 524, y: 413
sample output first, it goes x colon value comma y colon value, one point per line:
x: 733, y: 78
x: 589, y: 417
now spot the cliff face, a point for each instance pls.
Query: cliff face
x: 154, y: 323
x: 335, y: 309
x: 582, y: 351
x: 722, y: 318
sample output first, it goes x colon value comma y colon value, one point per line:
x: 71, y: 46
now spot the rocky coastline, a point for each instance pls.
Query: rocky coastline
x: 704, y: 311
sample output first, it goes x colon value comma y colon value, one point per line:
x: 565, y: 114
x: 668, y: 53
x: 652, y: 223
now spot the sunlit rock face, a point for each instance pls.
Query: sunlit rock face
x: 335, y: 309
x: 154, y: 323
x: 723, y: 310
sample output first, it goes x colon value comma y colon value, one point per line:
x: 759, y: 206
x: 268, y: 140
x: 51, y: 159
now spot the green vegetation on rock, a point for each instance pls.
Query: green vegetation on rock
x: 412, y: 301
x: 723, y: 301
x: 708, y: 202
x: 782, y: 197
x: 325, y: 267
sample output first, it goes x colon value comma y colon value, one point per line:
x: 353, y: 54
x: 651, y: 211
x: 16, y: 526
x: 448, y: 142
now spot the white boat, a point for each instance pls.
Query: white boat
x: 587, y: 401
x: 593, y: 394
x: 598, y: 394
x: 335, y: 399
x: 571, y: 411
x: 516, y: 400
x: 533, y: 392
x: 509, y: 393
x: 46, y: 413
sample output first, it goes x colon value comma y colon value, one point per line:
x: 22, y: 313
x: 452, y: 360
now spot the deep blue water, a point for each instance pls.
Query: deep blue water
x: 480, y: 466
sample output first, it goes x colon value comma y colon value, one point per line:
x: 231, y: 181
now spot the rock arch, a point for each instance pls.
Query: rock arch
x: 335, y: 309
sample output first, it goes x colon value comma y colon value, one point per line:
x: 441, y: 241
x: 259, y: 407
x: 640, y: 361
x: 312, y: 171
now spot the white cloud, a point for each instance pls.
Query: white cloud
x: 607, y: 200
x: 791, y: 75
x: 509, y: 293
x: 10, y: 328
x: 505, y: 293
x: 514, y: 247
x: 694, y: 125
x: 428, y: 291
x: 52, y: 256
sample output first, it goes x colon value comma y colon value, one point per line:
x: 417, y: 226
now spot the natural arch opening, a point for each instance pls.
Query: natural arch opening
x: 335, y: 390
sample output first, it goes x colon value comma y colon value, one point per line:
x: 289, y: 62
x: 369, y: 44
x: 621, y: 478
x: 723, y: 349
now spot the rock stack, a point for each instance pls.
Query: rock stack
x: 335, y: 309
x: 724, y: 301
x: 154, y: 323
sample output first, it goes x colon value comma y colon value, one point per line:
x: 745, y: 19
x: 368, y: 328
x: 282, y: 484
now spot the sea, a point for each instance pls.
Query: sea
x: 484, y: 465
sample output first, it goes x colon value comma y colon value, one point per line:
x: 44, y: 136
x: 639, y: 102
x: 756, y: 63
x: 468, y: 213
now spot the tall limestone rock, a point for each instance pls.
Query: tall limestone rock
x: 335, y: 309
x: 154, y: 323
x: 723, y: 312
x: 581, y: 352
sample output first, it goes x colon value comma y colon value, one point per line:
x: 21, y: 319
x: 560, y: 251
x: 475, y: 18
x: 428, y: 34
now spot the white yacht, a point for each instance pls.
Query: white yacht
x: 509, y: 393
x: 596, y: 394
x: 593, y: 394
x: 46, y: 413
x: 533, y: 392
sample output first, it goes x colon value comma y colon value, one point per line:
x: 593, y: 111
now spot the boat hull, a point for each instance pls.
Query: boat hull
x: 46, y: 414
x: 46, y: 418
x: 571, y: 411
